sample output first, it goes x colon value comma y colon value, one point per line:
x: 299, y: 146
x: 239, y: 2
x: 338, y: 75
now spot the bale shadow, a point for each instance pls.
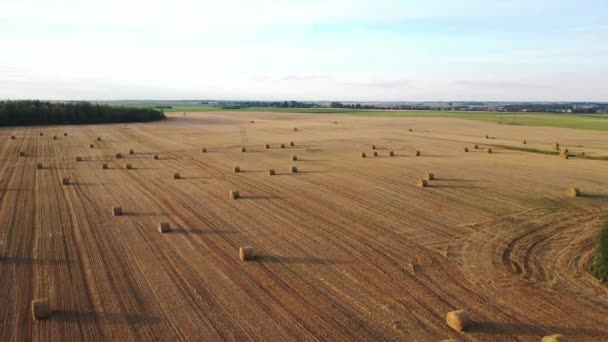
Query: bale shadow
x: 443, y: 186
x: 534, y: 330
x: 203, y: 231
x: 73, y: 316
x: 90, y: 184
x: 306, y: 172
x: 143, y: 214
x: 258, y: 197
x: 31, y: 261
x: 458, y: 180
x: 275, y: 259
x: 594, y: 196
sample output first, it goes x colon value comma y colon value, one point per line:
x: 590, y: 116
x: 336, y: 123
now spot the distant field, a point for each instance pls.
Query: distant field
x: 205, y: 108
x: 596, y: 122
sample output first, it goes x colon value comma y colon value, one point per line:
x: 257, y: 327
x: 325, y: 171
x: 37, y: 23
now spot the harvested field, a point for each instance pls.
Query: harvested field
x: 347, y: 249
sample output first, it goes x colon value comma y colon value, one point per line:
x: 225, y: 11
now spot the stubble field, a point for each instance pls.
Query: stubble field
x: 348, y: 248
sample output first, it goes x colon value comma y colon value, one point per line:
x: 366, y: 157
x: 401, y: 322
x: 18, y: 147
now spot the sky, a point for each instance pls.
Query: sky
x: 316, y: 50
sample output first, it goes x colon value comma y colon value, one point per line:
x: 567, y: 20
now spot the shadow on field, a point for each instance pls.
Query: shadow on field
x: 440, y: 186
x: 196, y: 177
x: 103, y: 317
x: 203, y: 231
x: 142, y: 214
x: 258, y: 197
x: 90, y: 184
x: 458, y: 180
x: 304, y: 172
x: 595, y: 196
x: 509, y: 329
x: 30, y: 261
x: 274, y: 259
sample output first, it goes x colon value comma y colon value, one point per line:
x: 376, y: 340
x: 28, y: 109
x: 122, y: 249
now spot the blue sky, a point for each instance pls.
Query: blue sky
x: 357, y: 50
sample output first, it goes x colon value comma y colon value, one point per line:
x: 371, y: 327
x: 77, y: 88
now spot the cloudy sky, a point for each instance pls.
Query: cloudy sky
x: 360, y: 50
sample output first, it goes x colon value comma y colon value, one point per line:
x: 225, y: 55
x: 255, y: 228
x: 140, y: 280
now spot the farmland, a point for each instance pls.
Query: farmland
x: 594, y: 122
x: 347, y: 248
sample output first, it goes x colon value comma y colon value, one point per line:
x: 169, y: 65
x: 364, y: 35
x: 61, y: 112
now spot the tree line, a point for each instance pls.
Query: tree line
x: 270, y: 104
x: 34, y: 112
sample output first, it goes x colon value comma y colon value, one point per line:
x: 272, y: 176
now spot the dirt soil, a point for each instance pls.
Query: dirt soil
x: 347, y: 249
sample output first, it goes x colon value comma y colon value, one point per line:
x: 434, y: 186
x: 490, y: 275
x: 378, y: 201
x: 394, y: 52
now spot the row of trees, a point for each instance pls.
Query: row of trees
x: 272, y: 104
x: 29, y: 113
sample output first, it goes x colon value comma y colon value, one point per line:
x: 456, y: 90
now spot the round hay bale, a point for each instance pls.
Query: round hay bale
x: 91, y: 146
x: 293, y: 169
x: 21, y: 153
x: 489, y: 150
x: 295, y: 129
x: 429, y: 176
x: 203, y: 150
x: 487, y: 136
x: 373, y: 147
x: 271, y: 172
x: 574, y: 192
x: 41, y: 134
x: 267, y: 146
x: 363, y: 155
x: 476, y: 147
x: 98, y: 138
x: 116, y: 211
x: 391, y: 153
x: 79, y: 158
x: 131, y: 151
x: 411, y: 130
x: 41, y: 309
x: 418, y: 153
x: 176, y: 175
x: 555, y: 338
x: 234, y: 194
x: 458, y: 320
x: 118, y: 155
x: 128, y: 166
x: 524, y: 142
x: 39, y: 166
x: 66, y: 181
x: 422, y: 183
x: 466, y: 149
x: 252, y: 121
x: 155, y: 157
x: 246, y: 253
x: 65, y: 134
x: 54, y: 137
x: 236, y: 169
x: 164, y: 227
x: 282, y: 145
x: 243, y: 149
x: 291, y: 143
x: 13, y: 137
x: 375, y: 154
x: 104, y: 166
x: 294, y: 158
x: 582, y: 154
